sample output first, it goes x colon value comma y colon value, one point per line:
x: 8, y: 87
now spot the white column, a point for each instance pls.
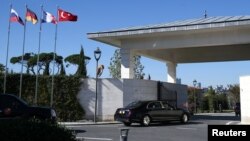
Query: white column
x: 244, y: 99
x: 171, y: 78
x: 127, y: 65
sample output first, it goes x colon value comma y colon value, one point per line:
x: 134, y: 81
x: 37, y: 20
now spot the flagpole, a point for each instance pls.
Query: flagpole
x: 38, y: 55
x: 7, y: 55
x: 54, y: 56
x: 21, y: 75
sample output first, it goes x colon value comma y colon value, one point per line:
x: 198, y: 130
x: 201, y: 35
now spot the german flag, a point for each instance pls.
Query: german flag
x: 31, y: 16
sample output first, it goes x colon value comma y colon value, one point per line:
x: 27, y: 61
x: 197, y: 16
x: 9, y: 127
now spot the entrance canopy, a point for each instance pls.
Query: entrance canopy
x: 212, y: 39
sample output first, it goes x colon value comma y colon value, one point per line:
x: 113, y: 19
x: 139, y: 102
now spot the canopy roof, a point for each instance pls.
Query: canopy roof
x: 223, y: 38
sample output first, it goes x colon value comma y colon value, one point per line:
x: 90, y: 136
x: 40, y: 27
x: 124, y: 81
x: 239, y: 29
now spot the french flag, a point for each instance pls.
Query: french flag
x: 14, y: 17
x: 48, y: 18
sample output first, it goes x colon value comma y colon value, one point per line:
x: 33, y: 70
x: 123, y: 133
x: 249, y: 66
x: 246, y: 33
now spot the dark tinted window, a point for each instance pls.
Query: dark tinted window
x: 8, y: 101
x: 167, y: 106
x: 154, y: 105
x: 134, y: 104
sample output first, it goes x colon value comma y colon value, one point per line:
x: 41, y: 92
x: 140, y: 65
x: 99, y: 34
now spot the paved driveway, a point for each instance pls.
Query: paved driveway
x: 195, y: 130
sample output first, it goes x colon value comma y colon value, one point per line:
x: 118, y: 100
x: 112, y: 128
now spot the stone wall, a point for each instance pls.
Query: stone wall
x: 116, y: 93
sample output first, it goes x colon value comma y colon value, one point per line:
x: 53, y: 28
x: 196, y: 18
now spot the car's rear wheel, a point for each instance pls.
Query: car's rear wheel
x: 146, y: 120
x: 184, y: 118
x: 127, y: 123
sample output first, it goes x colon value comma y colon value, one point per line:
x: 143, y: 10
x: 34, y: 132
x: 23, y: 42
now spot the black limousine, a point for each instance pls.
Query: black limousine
x: 146, y: 112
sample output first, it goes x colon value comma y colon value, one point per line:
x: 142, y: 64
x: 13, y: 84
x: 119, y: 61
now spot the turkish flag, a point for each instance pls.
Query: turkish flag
x: 66, y: 16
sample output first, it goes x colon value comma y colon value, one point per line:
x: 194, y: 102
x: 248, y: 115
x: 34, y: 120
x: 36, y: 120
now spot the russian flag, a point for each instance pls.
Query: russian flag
x: 48, y: 18
x: 14, y: 17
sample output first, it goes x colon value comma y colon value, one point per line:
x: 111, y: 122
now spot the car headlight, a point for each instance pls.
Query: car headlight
x: 53, y: 113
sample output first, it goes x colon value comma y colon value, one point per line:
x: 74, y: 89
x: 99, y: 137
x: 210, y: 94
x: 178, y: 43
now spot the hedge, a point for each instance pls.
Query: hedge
x: 33, y: 130
x: 65, y: 91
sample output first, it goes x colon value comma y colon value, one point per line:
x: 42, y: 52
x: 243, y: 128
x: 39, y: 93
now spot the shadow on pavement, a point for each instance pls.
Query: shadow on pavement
x: 173, y: 123
x: 214, y: 117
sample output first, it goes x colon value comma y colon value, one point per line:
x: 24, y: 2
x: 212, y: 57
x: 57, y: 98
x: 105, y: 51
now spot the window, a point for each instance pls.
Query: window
x: 154, y: 105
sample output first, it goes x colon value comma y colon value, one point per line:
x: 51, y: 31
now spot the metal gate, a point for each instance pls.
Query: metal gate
x: 166, y: 94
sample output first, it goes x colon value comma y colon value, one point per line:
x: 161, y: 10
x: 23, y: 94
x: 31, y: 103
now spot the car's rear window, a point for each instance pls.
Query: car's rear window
x: 134, y: 104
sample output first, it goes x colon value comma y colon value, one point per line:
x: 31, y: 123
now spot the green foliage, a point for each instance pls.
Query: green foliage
x: 81, y: 71
x: 115, y: 66
x: 26, y: 57
x: 66, y: 102
x: 66, y: 89
x: 62, y: 70
x: 234, y: 91
x: 30, y: 61
x: 2, y: 68
x: 23, y: 130
x: 80, y: 60
x: 211, y: 99
x: 138, y: 70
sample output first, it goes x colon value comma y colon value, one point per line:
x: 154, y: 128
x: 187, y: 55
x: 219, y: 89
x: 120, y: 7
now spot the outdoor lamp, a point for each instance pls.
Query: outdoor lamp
x: 194, y: 83
x: 97, y: 54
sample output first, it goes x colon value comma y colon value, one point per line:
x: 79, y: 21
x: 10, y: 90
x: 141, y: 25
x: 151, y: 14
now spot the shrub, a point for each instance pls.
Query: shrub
x: 32, y: 130
x: 65, y: 92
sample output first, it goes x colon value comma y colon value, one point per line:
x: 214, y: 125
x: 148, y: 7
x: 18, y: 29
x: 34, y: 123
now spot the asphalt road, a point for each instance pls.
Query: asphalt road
x: 195, y: 130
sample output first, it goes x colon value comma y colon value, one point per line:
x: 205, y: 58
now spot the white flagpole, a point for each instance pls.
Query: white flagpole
x: 7, y: 55
x: 54, y: 56
x: 38, y: 54
x: 21, y: 75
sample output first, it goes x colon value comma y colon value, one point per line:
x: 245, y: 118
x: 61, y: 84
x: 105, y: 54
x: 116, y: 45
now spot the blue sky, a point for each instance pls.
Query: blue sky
x: 101, y: 15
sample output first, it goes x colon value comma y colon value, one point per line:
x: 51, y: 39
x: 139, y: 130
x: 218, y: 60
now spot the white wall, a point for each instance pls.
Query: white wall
x: 117, y: 93
x: 245, y: 99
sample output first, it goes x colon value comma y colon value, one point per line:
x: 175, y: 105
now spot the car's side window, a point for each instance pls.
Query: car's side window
x: 10, y: 102
x: 167, y: 106
x: 155, y: 105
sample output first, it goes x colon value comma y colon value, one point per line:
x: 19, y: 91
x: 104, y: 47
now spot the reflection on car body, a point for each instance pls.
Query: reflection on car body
x: 146, y: 112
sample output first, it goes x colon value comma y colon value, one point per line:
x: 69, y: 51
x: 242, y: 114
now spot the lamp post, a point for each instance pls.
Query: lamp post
x: 97, y: 54
x: 195, y: 83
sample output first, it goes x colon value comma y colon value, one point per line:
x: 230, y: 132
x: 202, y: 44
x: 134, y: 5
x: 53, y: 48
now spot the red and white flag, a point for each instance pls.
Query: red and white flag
x: 66, y: 16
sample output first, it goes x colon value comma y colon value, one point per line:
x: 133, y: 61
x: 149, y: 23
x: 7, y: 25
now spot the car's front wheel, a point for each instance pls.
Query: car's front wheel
x: 146, y: 120
x: 184, y: 118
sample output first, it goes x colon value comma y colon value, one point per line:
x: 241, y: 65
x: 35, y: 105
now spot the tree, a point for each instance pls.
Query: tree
x: 80, y: 61
x: 115, y: 66
x: 234, y: 92
x: 18, y: 59
x: 211, y: 98
x: 138, y: 70
x: 62, y: 70
x: 2, y: 68
x: 44, y: 62
x: 81, y: 71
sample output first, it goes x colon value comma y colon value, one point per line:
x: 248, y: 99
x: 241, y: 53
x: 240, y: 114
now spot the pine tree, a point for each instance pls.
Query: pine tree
x: 81, y: 71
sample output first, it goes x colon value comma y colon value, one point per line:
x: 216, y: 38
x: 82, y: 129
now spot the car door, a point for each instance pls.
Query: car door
x: 156, y: 111
x: 171, y: 113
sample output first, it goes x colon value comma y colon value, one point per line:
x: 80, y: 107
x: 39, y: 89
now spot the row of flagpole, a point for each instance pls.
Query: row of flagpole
x: 31, y: 16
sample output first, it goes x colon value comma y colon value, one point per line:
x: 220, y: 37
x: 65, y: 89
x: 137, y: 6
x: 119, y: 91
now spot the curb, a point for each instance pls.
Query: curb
x: 86, y: 123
